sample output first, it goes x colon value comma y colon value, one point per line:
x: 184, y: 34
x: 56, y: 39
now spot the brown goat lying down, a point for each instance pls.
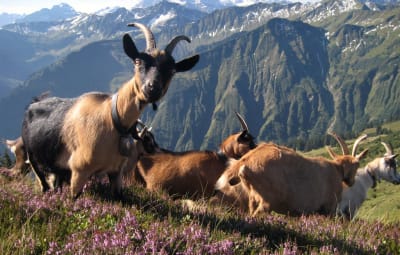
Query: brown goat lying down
x: 191, y: 173
x: 91, y: 134
x: 276, y: 178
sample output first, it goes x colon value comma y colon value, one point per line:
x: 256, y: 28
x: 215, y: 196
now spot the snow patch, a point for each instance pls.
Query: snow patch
x: 105, y: 11
x: 180, y: 2
x: 162, y: 19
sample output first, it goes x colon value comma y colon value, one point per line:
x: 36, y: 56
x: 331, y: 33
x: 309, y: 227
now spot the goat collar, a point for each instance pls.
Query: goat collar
x: 117, y: 122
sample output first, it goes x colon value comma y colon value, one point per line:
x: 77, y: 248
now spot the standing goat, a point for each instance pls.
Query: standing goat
x: 276, y: 178
x: 192, y: 173
x: 366, y: 178
x: 91, y: 134
x: 146, y: 144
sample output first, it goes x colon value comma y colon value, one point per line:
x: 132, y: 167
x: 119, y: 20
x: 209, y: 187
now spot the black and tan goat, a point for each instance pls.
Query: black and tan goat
x: 192, y: 173
x: 367, y: 177
x: 91, y: 133
x: 276, y: 178
x: 145, y: 144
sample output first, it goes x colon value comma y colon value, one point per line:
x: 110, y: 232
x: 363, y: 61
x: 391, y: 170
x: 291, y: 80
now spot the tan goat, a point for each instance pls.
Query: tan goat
x: 146, y: 144
x: 192, y: 173
x: 92, y: 133
x: 17, y: 147
x: 275, y: 178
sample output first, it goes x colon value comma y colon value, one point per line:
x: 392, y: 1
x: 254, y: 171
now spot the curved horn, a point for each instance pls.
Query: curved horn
x: 389, y: 149
x: 150, y: 42
x: 358, y: 140
x: 139, y: 121
x: 242, y: 122
x: 343, y: 145
x: 171, y: 45
x: 143, y: 132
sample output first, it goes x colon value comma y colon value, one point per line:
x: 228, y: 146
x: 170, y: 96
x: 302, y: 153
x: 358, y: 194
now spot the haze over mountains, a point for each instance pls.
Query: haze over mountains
x: 293, y: 70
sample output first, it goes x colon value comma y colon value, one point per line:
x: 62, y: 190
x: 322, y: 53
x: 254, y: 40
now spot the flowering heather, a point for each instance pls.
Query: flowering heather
x: 52, y: 223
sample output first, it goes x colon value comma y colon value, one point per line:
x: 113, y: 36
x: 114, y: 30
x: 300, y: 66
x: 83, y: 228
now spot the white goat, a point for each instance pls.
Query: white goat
x: 380, y: 168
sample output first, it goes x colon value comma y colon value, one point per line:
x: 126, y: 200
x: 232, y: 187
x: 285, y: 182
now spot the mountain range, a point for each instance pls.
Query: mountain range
x: 292, y: 70
x: 65, y: 11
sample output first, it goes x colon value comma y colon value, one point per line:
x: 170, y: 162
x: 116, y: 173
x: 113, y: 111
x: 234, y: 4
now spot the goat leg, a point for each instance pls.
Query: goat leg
x: 78, y: 180
x: 40, y: 176
x: 116, y: 184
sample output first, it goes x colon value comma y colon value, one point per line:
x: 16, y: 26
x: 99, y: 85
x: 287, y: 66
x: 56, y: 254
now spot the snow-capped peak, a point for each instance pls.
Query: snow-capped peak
x: 107, y: 10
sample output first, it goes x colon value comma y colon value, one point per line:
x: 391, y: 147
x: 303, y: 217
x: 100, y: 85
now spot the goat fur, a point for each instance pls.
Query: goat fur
x: 193, y: 173
x: 78, y: 135
x: 276, y: 178
x: 381, y: 168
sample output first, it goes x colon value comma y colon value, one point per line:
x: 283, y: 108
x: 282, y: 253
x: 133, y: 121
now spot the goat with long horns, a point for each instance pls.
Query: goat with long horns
x: 93, y: 133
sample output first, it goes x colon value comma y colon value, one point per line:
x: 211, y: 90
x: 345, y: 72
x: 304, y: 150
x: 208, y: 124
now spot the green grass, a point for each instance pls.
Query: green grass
x: 382, y: 204
x: 393, y: 126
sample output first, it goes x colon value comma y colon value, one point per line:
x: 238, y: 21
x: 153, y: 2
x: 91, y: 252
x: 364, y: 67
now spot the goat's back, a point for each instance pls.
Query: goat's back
x: 289, y: 182
x: 41, y: 129
x: 191, y: 173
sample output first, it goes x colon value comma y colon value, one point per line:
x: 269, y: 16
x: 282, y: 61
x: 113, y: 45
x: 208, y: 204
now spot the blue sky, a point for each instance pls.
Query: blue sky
x: 29, y: 6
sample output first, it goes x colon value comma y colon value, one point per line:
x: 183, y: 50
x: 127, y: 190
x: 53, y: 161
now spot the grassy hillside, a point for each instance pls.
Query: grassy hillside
x: 145, y: 223
x: 33, y: 223
x: 382, y: 204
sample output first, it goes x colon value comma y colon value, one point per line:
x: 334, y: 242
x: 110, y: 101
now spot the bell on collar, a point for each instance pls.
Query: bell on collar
x: 126, y: 145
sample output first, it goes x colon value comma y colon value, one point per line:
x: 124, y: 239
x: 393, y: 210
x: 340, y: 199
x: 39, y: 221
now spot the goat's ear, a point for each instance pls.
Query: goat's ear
x: 130, y: 47
x: 187, y: 63
x: 245, y: 136
x: 331, y: 153
x: 390, y: 157
x: 362, y: 154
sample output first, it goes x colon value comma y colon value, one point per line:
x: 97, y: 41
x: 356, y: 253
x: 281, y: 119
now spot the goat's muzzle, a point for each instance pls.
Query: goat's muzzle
x: 153, y: 86
x: 153, y: 92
